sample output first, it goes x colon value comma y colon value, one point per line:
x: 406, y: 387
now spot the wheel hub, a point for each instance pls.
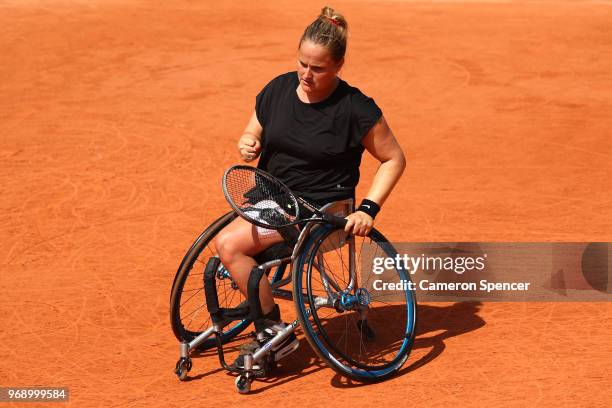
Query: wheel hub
x: 360, y: 299
x: 363, y: 297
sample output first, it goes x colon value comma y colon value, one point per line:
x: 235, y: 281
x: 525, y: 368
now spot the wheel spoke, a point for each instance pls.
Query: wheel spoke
x: 375, y: 343
x: 189, y: 312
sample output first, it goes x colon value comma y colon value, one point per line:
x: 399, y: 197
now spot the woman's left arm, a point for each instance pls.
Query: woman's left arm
x: 381, y: 144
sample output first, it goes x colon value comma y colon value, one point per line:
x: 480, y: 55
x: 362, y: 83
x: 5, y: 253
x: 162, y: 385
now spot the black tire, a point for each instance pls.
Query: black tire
x: 363, y: 352
x: 188, y: 313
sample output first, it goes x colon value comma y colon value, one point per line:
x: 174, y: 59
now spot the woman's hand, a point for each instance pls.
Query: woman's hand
x: 249, y: 147
x: 359, y: 223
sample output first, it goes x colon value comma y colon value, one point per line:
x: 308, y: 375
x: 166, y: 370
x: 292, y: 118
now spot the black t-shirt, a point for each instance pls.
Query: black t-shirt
x: 314, y: 148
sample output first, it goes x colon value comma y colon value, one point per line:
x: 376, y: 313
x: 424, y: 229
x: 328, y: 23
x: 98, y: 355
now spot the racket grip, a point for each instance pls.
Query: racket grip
x: 334, y: 220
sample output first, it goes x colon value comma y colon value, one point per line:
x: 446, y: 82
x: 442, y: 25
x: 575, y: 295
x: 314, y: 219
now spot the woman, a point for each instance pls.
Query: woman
x: 310, y: 129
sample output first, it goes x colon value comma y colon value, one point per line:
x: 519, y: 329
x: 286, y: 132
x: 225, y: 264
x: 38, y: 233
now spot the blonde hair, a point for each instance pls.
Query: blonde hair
x: 329, y: 30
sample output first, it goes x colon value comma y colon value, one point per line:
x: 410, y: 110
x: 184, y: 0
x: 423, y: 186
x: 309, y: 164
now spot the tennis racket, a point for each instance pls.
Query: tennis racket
x: 265, y: 201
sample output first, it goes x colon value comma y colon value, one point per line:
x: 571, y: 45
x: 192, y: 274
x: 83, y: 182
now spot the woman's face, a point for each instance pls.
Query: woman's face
x: 317, y: 69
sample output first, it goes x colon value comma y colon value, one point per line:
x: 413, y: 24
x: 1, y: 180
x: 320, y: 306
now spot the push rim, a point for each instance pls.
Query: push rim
x: 350, y: 353
x: 188, y: 313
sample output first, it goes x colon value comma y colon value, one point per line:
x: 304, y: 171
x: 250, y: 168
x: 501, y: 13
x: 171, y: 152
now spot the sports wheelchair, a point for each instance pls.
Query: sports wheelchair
x: 360, y: 332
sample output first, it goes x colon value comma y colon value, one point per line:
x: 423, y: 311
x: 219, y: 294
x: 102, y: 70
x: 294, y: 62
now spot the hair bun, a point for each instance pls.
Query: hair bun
x: 330, y: 30
x: 337, y: 19
x: 327, y: 12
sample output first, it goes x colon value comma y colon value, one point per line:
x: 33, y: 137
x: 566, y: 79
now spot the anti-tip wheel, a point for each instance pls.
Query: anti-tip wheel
x: 243, y: 385
x: 183, y: 366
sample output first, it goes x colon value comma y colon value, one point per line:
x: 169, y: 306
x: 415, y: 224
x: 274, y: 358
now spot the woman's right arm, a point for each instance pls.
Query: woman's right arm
x: 249, y: 145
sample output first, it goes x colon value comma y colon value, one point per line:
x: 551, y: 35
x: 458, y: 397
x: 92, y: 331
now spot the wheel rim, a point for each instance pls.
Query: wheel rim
x: 338, y: 335
x: 189, y: 314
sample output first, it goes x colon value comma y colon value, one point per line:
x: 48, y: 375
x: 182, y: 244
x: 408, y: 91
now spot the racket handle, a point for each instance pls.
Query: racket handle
x: 334, y: 220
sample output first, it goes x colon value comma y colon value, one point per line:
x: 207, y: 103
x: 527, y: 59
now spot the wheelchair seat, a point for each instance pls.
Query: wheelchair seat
x: 276, y: 251
x: 291, y: 234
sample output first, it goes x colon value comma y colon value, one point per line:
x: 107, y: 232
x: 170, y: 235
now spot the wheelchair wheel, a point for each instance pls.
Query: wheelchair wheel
x: 188, y: 313
x: 360, y: 330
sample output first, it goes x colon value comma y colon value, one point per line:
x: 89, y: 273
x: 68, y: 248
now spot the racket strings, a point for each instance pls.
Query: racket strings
x: 260, y: 198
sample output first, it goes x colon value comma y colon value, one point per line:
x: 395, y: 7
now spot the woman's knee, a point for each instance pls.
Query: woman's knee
x: 227, y: 246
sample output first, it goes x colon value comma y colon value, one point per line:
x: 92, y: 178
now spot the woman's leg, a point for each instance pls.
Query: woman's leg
x: 236, y: 245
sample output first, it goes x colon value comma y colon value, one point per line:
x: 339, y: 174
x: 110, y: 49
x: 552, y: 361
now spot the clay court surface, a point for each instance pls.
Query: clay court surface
x: 117, y: 119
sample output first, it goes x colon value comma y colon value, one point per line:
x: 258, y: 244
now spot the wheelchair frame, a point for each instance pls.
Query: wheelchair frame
x: 223, y: 316
x: 250, y: 310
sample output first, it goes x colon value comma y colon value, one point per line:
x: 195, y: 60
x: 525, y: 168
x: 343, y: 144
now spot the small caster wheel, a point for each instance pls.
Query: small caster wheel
x: 243, y: 384
x: 183, y: 366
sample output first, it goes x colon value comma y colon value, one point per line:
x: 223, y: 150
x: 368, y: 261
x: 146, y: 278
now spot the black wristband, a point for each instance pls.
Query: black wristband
x: 369, y: 207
